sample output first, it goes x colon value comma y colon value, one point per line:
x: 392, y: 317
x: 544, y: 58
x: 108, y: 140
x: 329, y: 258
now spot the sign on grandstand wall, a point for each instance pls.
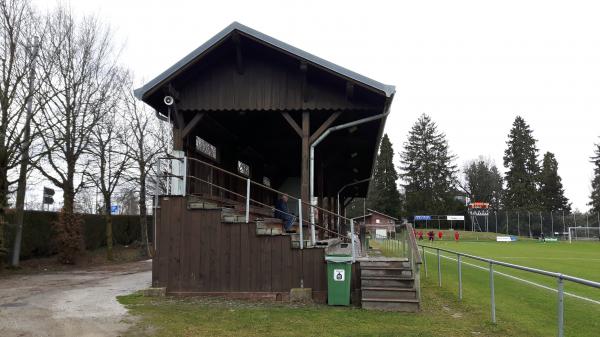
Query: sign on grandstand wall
x: 455, y: 217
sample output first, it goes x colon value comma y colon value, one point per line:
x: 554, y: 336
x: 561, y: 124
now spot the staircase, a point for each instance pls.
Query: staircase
x: 388, y: 284
x: 266, y: 225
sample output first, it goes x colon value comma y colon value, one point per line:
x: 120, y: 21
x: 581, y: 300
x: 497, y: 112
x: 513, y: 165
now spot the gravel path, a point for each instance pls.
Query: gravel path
x: 73, y: 303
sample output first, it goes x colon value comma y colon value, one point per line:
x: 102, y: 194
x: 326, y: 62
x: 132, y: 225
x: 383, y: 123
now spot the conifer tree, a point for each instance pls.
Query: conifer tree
x: 428, y: 170
x: 552, y: 194
x: 595, y: 196
x: 483, y: 182
x: 383, y: 190
x: 522, y: 176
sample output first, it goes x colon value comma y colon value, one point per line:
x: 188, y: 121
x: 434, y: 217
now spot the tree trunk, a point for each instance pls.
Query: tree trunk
x: 3, y: 206
x: 109, y: 232
x: 69, y: 198
x: 144, y: 220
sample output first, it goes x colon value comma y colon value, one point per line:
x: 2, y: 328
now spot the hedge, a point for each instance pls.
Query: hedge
x: 38, y: 236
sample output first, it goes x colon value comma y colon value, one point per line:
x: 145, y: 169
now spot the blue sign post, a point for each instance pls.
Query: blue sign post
x: 114, y: 209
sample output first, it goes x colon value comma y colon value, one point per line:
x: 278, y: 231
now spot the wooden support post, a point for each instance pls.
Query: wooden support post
x: 307, y: 139
x: 305, y: 168
x: 178, y: 124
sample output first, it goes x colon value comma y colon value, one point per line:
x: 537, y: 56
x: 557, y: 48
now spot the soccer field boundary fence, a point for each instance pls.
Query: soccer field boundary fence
x: 521, y: 223
x: 560, y: 278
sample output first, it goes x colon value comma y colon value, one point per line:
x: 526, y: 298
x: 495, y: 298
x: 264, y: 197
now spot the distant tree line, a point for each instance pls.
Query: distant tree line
x: 431, y: 184
x: 67, y: 114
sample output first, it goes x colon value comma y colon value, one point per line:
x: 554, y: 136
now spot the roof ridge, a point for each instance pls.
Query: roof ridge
x: 387, y: 90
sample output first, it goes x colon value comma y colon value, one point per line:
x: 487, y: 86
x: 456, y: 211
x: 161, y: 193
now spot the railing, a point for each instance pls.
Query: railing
x: 207, y: 171
x: 560, y: 278
x: 404, y: 243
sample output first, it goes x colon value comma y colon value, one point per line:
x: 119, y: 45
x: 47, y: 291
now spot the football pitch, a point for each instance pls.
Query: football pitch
x: 523, y: 299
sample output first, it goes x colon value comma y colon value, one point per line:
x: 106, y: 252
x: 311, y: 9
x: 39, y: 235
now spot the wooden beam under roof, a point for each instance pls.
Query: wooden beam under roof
x: 192, y: 124
x: 324, y: 126
x: 292, y: 123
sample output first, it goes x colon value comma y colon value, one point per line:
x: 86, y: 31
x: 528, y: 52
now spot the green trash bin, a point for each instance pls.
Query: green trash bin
x: 339, y: 274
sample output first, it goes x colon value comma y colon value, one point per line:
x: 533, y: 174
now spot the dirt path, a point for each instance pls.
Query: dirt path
x: 74, y: 303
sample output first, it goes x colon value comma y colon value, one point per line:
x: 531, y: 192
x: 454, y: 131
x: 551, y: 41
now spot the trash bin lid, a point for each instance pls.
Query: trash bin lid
x: 340, y: 249
x: 338, y: 258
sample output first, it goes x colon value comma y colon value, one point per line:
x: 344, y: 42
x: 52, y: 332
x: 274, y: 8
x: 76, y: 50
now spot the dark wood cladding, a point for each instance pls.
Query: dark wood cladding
x: 264, y: 85
x: 197, y: 253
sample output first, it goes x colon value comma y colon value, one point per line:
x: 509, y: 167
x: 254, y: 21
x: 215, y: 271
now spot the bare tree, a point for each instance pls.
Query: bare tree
x: 17, y: 25
x: 147, y: 143
x: 128, y: 199
x: 80, y: 73
x: 85, y: 202
x: 109, y: 160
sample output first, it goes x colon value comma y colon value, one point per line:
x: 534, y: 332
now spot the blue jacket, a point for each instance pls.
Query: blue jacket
x: 281, y: 209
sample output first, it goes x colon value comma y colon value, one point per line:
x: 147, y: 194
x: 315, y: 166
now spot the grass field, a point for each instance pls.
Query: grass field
x: 519, y: 303
x: 522, y: 309
x: 441, y: 316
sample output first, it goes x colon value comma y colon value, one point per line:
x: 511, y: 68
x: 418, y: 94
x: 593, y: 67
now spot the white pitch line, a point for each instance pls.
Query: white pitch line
x: 520, y: 279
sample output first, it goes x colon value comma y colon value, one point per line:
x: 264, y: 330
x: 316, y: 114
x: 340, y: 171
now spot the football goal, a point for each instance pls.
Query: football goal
x: 584, y: 233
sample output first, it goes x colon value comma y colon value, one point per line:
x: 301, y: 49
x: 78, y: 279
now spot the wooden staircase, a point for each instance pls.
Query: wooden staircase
x: 266, y: 225
x: 388, y: 284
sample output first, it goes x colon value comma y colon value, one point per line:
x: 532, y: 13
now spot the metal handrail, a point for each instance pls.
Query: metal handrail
x: 559, y: 277
x: 413, y: 244
x: 268, y: 188
x: 268, y: 206
x: 524, y: 268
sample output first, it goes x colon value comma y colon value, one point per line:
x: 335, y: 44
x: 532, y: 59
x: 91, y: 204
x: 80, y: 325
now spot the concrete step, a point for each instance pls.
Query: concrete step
x: 233, y: 218
x: 387, y: 281
x: 296, y: 244
x: 385, y: 271
x: 269, y: 231
x: 229, y: 211
x: 390, y: 304
x: 202, y: 205
x: 389, y: 293
x: 383, y: 263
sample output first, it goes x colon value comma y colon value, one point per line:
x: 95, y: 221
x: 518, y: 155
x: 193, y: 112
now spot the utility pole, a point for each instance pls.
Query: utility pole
x: 25, y: 144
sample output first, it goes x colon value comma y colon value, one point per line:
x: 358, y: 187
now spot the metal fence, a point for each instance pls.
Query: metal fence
x: 521, y: 223
x: 560, y: 278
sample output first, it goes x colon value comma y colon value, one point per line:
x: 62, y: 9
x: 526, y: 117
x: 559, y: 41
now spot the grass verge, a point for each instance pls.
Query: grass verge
x: 441, y: 315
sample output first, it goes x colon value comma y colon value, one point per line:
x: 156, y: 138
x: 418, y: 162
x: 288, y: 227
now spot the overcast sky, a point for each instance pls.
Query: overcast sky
x: 471, y: 65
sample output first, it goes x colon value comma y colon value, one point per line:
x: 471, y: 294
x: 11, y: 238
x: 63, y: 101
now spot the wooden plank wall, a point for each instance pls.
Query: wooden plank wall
x: 198, y: 253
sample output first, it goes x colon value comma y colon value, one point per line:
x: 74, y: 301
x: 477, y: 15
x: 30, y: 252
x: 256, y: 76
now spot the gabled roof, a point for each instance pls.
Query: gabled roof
x: 387, y: 90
